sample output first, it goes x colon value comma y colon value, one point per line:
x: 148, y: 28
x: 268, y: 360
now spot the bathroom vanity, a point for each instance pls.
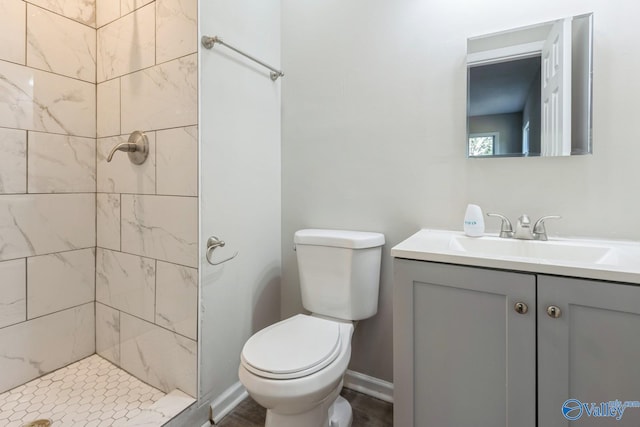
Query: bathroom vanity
x: 502, y: 332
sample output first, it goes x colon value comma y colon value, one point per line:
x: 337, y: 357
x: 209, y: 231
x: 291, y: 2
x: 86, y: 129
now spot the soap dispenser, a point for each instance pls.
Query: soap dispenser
x: 473, y: 221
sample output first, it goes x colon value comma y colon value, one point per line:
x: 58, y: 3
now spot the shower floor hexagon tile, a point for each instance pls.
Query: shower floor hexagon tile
x: 88, y: 393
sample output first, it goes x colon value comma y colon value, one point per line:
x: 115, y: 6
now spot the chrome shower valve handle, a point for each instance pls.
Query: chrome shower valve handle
x: 137, y: 146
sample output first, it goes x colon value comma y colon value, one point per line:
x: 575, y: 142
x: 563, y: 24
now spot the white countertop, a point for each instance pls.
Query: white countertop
x: 611, y: 260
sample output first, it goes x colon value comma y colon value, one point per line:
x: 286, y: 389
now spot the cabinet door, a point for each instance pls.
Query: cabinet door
x: 463, y: 356
x: 590, y: 353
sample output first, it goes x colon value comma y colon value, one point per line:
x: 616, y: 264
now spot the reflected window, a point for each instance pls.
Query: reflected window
x: 483, y: 144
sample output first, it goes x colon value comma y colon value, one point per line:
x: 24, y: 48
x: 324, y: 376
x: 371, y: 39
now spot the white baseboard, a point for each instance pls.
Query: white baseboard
x: 370, y: 386
x: 228, y: 401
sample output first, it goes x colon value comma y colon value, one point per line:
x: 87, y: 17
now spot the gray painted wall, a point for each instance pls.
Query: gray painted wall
x: 374, y: 105
x: 240, y: 187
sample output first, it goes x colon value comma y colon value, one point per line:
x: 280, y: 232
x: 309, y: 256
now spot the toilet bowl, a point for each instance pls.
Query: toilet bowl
x: 295, y: 367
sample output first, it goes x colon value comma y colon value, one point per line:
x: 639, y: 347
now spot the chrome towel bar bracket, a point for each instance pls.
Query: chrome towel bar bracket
x: 209, y: 42
x: 212, y: 243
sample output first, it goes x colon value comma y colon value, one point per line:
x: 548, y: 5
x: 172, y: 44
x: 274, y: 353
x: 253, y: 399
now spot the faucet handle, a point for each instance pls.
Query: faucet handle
x: 539, y: 230
x: 506, y: 229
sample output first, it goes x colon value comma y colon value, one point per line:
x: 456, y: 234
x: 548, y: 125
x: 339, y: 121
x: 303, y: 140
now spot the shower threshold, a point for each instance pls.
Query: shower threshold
x: 89, y: 393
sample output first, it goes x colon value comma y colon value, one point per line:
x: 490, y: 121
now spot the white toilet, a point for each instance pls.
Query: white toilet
x: 295, y: 367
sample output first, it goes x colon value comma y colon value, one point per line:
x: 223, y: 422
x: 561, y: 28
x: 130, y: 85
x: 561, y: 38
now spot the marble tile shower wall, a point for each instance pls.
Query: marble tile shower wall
x: 147, y: 215
x: 47, y: 186
x: 96, y: 256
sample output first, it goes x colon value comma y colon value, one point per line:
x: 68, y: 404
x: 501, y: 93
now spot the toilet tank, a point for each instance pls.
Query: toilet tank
x: 339, y: 272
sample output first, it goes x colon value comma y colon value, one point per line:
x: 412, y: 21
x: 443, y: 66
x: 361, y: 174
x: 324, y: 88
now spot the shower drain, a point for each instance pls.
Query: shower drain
x: 39, y: 423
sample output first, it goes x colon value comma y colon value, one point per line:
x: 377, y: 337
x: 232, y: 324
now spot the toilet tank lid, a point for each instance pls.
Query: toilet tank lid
x: 339, y: 238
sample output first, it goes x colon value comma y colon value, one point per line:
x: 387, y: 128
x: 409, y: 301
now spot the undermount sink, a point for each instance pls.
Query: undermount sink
x: 598, y: 259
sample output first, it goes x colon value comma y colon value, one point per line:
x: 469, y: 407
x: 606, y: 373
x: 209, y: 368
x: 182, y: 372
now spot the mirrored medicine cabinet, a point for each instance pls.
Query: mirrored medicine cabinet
x: 529, y: 90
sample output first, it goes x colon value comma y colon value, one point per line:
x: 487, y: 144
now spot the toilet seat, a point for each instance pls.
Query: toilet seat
x: 293, y: 348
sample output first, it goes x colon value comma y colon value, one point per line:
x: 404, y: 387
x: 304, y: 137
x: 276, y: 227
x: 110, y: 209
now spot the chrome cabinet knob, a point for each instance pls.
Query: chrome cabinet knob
x: 554, y: 311
x: 521, y: 307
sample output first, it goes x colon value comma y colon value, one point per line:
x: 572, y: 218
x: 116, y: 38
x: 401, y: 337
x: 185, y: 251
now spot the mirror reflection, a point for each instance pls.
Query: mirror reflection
x: 529, y: 90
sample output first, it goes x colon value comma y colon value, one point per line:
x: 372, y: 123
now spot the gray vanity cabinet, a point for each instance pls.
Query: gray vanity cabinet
x: 591, y: 352
x: 463, y: 356
x: 465, y: 347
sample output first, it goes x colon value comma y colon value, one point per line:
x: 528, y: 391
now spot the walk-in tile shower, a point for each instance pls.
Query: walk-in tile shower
x: 97, y: 257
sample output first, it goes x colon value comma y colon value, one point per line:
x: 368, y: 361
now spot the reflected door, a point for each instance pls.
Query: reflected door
x: 556, y: 91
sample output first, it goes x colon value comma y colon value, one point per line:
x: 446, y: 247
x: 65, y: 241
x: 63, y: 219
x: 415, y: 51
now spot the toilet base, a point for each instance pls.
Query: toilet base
x: 340, y: 413
x: 334, y: 411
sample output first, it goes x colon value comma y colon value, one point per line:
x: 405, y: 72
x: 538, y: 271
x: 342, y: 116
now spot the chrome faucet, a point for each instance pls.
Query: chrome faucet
x: 524, y: 230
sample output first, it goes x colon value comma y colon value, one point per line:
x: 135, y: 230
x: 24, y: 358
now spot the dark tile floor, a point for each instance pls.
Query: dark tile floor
x: 367, y: 412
